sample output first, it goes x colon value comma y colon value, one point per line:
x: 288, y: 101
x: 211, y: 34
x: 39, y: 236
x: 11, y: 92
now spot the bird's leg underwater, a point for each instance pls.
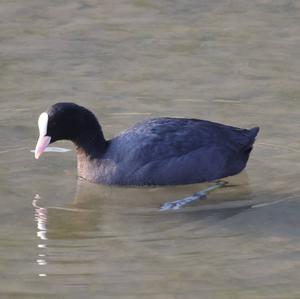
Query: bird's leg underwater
x: 177, y: 204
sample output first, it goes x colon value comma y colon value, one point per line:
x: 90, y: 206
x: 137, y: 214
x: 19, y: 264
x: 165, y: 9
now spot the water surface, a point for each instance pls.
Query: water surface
x: 235, y: 62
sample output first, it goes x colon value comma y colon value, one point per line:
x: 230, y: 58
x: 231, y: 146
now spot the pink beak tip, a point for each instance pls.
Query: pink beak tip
x: 41, y: 145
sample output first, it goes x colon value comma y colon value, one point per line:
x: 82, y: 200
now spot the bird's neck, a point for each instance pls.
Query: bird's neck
x: 90, y: 149
x: 86, y: 166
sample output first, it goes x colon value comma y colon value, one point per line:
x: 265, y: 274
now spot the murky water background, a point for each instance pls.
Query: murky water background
x: 236, y: 62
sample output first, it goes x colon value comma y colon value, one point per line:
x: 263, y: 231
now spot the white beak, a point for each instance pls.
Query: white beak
x: 41, y: 145
x: 43, y: 140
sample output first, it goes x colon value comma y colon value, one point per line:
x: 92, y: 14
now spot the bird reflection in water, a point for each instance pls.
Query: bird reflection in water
x: 40, y: 217
x: 105, y: 210
x: 102, y: 223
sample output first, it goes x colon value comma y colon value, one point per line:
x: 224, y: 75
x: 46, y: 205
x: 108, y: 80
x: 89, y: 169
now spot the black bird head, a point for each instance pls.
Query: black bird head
x: 67, y: 121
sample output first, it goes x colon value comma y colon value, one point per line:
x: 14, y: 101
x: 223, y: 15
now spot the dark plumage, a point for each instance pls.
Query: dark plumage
x: 159, y: 151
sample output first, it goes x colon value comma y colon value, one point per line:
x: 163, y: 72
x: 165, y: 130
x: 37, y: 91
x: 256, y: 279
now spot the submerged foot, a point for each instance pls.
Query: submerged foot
x: 177, y: 204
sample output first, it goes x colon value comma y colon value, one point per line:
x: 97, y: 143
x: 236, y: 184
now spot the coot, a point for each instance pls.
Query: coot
x: 158, y: 151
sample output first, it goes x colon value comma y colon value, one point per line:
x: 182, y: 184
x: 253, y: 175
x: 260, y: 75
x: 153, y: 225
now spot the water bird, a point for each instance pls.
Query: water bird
x: 157, y: 151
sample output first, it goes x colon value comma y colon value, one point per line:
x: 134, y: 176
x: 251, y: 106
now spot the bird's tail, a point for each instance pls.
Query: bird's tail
x: 253, y: 132
x: 252, y: 135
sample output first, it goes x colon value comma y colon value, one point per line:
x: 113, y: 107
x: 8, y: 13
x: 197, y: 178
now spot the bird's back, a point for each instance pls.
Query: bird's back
x: 179, y: 151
